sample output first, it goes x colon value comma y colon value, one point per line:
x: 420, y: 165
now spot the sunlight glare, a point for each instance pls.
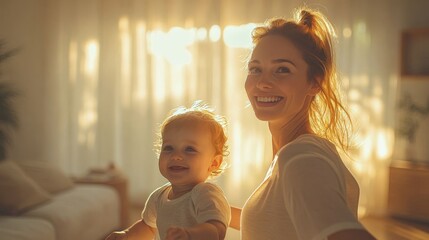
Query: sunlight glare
x: 358, y: 167
x: 181, y: 37
x: 87, y: 118
x: 377, y: 106
x: 362, y: 211
x: 347, y: 32
x: 201, y: 34
x: 156, y: 41
x: 354, y: 95
x: 383, y: 149
x: 367, y: 147
x: 238, y: 36
x: 172, y: 45
x: 91, y: 57
x: 215, y: 33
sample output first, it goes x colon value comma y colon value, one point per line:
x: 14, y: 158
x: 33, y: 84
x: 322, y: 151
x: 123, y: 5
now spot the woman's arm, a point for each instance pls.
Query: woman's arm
x: 235, y: 218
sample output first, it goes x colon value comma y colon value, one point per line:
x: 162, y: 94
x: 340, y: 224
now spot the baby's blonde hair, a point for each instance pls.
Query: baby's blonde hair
x: 201, y: 112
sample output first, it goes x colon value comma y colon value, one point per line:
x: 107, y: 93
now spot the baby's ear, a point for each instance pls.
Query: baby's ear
x: 217, y: 161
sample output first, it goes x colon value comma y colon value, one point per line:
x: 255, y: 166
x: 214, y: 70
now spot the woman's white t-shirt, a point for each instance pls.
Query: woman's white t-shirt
x: 307, y: 194
x: 206, y: 201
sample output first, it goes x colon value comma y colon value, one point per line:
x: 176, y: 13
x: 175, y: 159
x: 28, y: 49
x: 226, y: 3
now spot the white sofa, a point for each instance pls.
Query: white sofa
x: 38, y: 201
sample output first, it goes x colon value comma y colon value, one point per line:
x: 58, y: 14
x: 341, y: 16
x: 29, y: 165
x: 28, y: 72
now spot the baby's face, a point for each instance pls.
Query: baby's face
x: 187, y: 153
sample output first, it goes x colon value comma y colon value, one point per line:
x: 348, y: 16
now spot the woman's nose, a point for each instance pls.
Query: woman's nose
x: 264, y: 82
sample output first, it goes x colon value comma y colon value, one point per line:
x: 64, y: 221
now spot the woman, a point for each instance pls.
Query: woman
x: 307, y: 193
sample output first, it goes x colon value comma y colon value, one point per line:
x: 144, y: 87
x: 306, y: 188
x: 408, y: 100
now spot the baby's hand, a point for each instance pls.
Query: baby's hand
x: 177, y: 233
x: 121, y: 235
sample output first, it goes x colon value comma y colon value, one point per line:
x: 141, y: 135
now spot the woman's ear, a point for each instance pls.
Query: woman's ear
x: 315, y: 87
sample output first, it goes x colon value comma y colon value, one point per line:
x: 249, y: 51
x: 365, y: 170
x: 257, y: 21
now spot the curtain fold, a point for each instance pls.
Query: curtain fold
x: 116, y: 68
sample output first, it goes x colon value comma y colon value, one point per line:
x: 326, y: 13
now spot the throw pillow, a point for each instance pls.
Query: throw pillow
x: 48, y: 176
x: 18, y: 191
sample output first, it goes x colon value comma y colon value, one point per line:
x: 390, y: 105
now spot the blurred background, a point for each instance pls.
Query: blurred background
x: 97, y: 77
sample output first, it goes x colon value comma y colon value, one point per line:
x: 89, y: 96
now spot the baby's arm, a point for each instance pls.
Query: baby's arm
x: 210, y: 230
x: 139, y: 230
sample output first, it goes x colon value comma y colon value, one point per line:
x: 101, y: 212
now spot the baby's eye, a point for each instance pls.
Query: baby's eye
x: 167, y: 148
x: 190, y: 149
x: 283, y: 70
x: 254, y: 70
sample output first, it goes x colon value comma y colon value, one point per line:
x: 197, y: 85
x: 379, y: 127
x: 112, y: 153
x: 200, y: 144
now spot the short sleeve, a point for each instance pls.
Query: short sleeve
x: 315, y: 197
x: 149, y: 213
x: 211, y: 204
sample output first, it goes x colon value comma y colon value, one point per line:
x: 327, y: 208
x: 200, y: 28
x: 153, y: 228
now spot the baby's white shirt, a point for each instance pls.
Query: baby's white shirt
x: 204, y: 202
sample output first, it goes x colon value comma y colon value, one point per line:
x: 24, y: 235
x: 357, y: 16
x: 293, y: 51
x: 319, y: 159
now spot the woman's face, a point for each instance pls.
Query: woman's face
x: 277, y: 84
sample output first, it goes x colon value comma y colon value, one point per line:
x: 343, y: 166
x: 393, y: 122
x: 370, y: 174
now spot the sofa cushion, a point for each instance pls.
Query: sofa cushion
x: 85, y: 212
x: 25, y: 228
x: 18, y: 191
x: 48, y: 176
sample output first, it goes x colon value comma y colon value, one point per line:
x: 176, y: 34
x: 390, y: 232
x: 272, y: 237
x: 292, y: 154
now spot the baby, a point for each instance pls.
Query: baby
x: 192, y: 146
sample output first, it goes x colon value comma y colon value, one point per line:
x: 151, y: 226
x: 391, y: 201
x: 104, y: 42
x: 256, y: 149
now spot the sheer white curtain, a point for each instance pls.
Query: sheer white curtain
x: 116, y: 67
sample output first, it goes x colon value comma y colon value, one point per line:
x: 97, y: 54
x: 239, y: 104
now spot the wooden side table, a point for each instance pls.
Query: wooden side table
x: 408, y: 190
x: 119, y: 183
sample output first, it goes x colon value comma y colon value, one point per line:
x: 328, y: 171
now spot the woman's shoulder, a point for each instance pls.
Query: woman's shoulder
x: 308, y: 143
x: 310, y: 147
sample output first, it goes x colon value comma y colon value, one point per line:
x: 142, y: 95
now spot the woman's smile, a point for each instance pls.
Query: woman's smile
x: 268, y: 100
x: 273, y: 99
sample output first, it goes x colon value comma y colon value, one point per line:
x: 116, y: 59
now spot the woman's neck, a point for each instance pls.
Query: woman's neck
x: 285, y: 133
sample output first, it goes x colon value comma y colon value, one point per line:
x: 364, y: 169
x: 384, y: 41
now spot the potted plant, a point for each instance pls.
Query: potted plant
x: 8, y: 116
x: 410, y: 119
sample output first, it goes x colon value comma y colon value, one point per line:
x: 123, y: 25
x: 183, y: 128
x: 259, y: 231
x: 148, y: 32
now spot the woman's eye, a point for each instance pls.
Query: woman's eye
x: 283, y: 70
x: 254, y: 70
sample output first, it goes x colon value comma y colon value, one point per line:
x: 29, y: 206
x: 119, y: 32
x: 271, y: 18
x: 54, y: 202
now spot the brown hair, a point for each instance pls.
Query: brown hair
x: 201, y: 112
x: 313, y: 35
